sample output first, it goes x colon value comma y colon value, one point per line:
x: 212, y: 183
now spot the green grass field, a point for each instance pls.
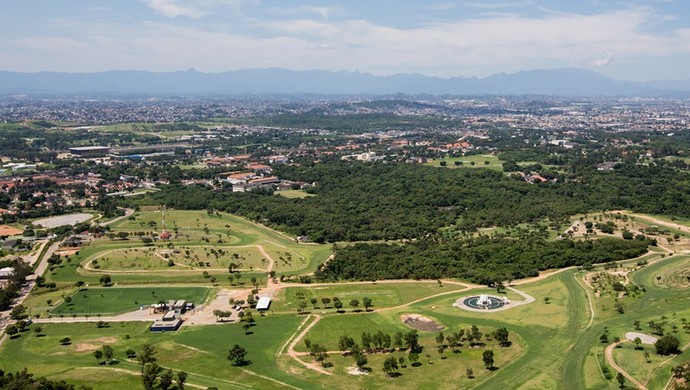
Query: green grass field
x: 475, y: 161
x: 114, y: 300
x: 556, y: 344
x: 291, y: 194
x: 381, y: 294
x: 197, y: 233
x: 199, y: 351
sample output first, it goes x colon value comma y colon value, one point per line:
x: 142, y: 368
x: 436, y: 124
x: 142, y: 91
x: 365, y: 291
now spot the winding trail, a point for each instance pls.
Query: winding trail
x: 609, y: 358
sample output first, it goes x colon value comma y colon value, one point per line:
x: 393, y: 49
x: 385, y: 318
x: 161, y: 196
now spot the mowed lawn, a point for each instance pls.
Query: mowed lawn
x: 381, y: 294
x: 114, y: 300
x: 201, y: 351
x: 292, y: 194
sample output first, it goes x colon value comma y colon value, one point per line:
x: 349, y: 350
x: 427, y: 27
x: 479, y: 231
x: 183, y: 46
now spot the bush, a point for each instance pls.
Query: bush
x: 667, y: 345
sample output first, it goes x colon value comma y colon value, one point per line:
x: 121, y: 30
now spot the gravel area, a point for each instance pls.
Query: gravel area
x: 62, y: 220
x: 646, y: 339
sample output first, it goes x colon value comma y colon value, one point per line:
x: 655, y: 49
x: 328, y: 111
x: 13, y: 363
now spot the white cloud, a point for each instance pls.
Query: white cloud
x: 464, y: 47
x: 193, y: 9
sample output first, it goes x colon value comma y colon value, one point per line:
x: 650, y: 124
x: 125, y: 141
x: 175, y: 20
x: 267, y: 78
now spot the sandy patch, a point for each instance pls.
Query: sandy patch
x: 420, y: 322
x: 95, y: 344
x: 67, y: 251
x: 352, y: 370
x: 646, y: 339
x: 6, y: 230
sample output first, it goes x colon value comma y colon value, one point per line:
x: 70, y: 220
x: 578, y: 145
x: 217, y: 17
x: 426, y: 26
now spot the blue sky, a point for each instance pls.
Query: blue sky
x: 624, y: 39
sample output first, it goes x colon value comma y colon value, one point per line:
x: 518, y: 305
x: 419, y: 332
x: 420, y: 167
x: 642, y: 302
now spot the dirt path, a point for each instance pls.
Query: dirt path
x: 88, y: 265
x: 295, y: 355
x: 609, y: 358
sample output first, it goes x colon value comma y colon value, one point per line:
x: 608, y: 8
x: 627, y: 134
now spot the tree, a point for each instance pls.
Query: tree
x: 637, y: 325
x: 147, y: 355
x: 166, y: 380
x: 313, y: 301
x: 361, y: 361
x: 149, y: 376
x: 236, y: 355
x: 413, y: 357
x: 412, y: 341
x: 346, y: 343
x: 646, y: 356
x: 325, y: 301
x: 637, y: 342
x: 469, y: 373
x: 18, y: 313
x: 354, y: 303
x: 440, y: 338
x: 108, y: 353
x: 366, y: 302
x: 181, y: 379
x: 667, y: 345
x: 11, y: 330
x: 441, y: 348
x: 38, y: 330
x: 488, y: 358
x: 501, y: 335
x: 398, y: 339
x: 338, y: 305
x: 98, y: 354
x: 390, y: 365
x: 620, y: 377
x: 65, y: 341
x: 79, y: 284
x: 105, y: 280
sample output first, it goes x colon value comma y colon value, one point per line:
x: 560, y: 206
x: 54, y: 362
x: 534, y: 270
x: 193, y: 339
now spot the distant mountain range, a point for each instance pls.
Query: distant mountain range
x: 563, y: 82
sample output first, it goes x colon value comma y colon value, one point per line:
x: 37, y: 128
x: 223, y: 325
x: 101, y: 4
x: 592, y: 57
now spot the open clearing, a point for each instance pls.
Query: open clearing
x: 114, y: 300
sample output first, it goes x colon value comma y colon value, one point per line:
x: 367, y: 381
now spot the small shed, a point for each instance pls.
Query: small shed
x: 170, y: 316
x: 264, y: 303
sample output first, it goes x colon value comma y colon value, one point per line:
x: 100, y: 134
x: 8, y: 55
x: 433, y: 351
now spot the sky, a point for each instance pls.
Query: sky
x: 638, y: 40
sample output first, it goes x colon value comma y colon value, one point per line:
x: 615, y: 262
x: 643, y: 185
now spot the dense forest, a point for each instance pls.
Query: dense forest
x: 357, y: 201
x: 482, y: 260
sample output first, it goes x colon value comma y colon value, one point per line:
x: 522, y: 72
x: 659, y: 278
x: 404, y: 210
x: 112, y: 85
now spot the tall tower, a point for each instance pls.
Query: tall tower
x: 164, y: 234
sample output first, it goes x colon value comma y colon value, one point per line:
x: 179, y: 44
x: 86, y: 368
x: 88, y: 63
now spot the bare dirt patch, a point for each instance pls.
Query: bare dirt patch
x: 419, y: 322
x: 356, y: 371
x: 6, y: 230
x: 67, y: 251
x: 95, y: 344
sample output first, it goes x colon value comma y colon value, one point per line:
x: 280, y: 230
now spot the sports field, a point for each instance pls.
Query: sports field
x: 114, y: 300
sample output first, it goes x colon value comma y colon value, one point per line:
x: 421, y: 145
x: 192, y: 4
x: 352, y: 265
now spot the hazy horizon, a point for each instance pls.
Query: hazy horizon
x: 641, y: 40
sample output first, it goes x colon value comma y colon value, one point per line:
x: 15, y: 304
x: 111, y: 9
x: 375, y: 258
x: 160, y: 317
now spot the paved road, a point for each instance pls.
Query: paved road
x: 128, y: 212
x: 29, y: 285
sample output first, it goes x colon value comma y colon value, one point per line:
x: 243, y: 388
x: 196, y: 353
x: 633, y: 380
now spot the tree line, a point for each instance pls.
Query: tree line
x: 484, y: 260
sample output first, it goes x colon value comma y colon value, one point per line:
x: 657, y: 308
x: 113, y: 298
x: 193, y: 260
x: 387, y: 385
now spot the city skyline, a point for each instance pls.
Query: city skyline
x: 627, y: 40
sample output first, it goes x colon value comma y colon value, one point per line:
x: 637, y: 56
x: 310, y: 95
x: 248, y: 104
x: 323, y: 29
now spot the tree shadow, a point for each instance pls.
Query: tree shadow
x: 242, y: 363
x: 493, y: 368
